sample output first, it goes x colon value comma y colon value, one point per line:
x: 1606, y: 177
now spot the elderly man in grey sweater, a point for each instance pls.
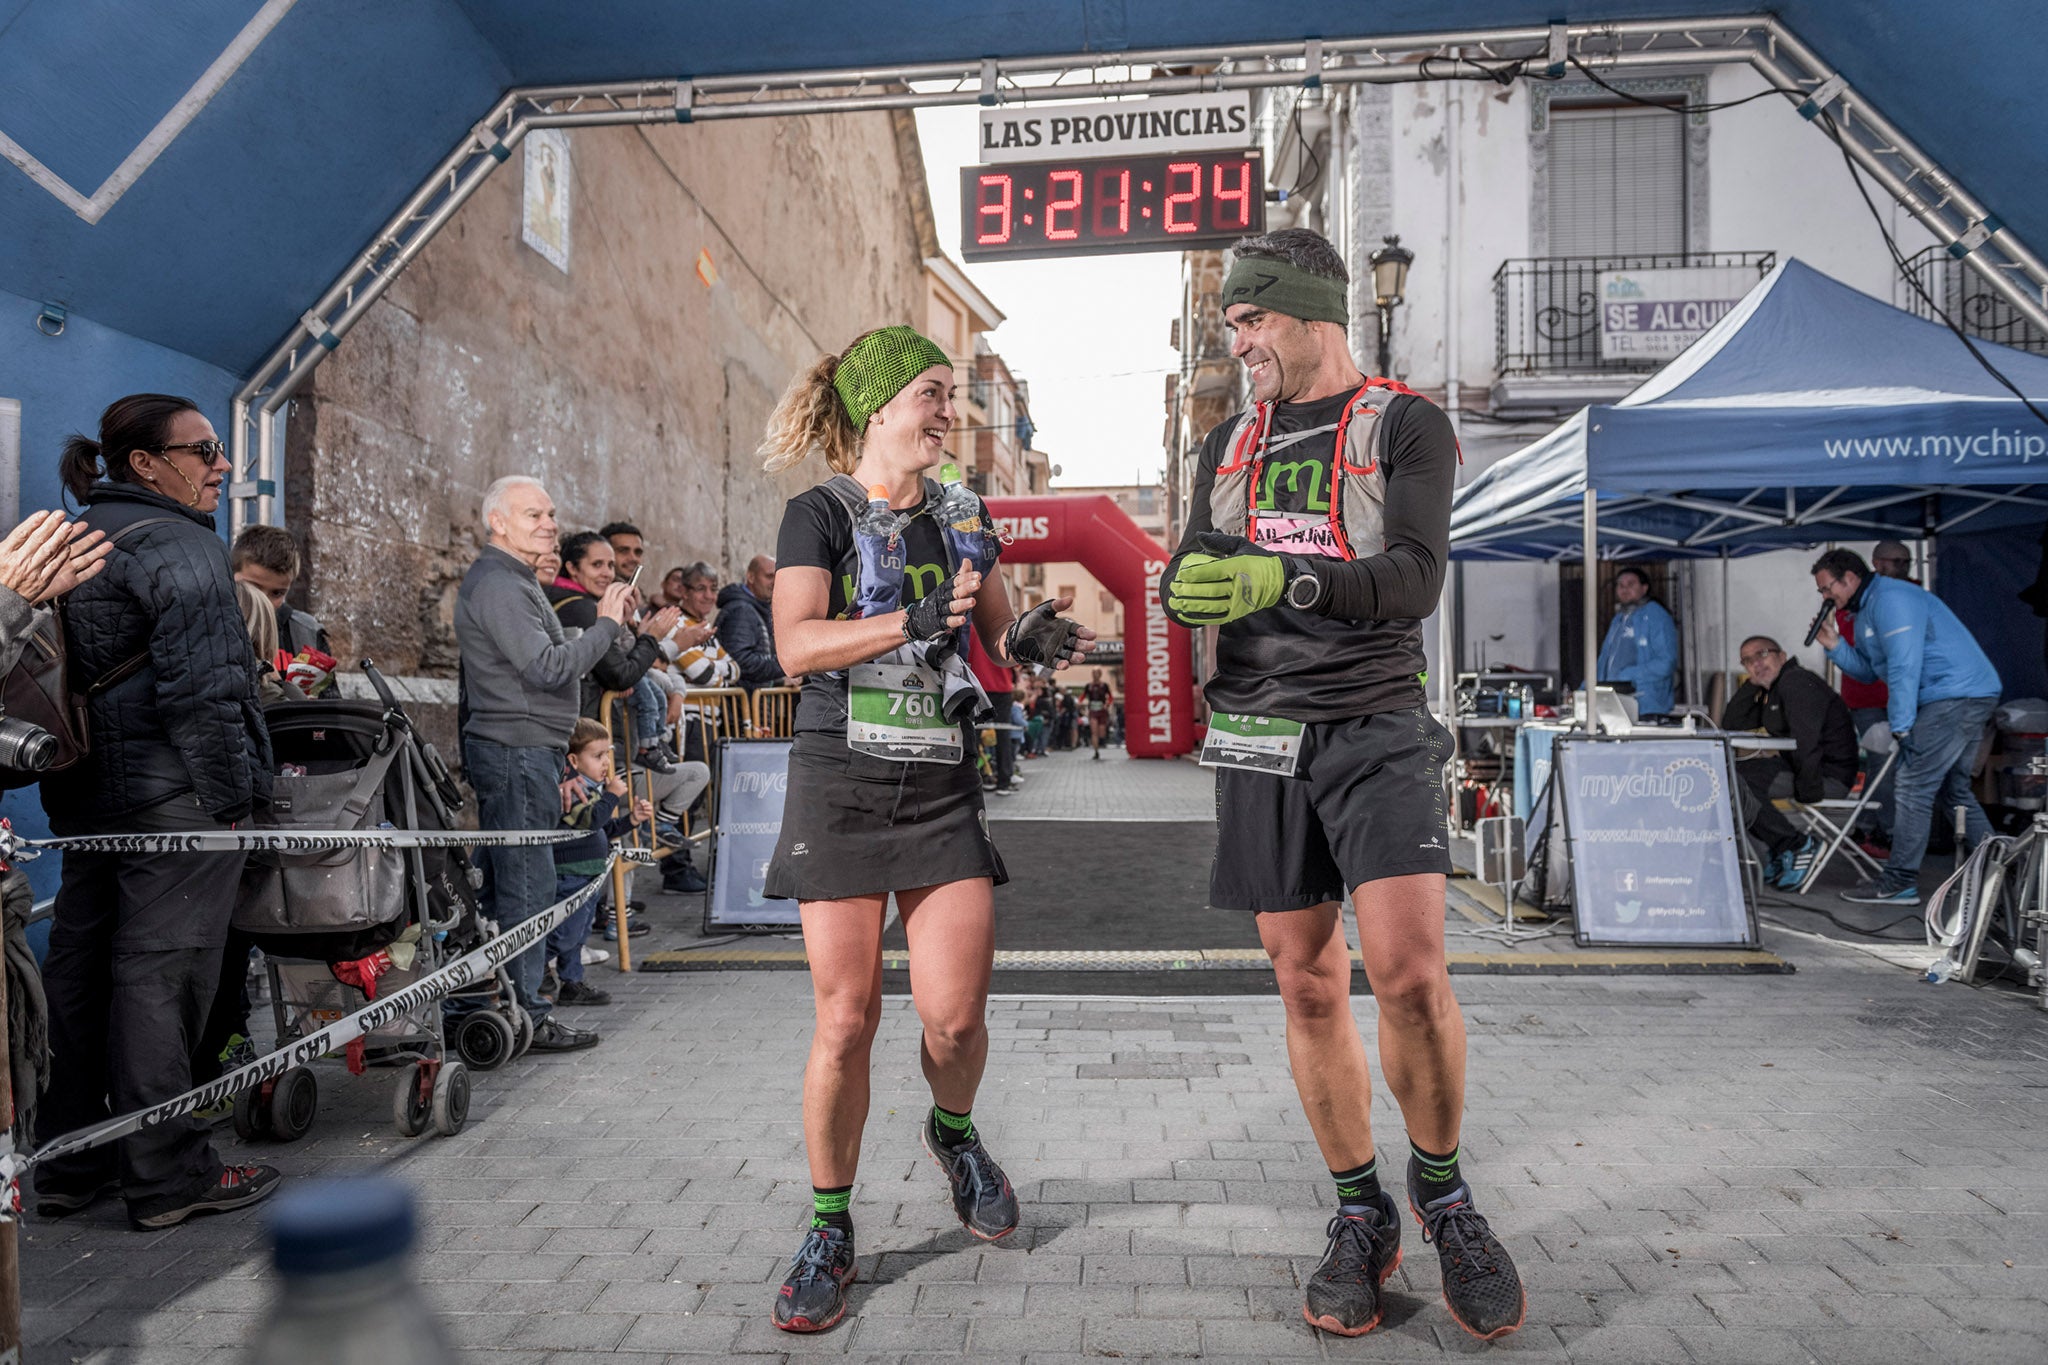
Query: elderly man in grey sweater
x: 521, y: 688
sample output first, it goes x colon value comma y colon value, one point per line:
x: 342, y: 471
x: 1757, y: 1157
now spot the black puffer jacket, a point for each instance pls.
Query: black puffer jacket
x: 188, y: 719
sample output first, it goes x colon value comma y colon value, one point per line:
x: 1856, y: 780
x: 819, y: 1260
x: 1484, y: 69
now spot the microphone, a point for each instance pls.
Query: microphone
x: 1813, y: 631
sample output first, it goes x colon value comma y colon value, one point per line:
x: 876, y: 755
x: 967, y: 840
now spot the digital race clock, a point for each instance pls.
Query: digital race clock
x: 1129, y: 203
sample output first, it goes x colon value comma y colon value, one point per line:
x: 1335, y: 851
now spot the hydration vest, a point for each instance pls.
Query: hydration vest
x: 1358, y: 481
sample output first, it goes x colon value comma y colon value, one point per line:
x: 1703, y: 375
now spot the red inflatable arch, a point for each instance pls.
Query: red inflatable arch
x: 1159, y: 709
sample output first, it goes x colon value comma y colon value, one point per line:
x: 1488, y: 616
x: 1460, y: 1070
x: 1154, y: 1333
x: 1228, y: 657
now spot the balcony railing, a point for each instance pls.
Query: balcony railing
x: 1968, y: 300
x: 1546, y: 309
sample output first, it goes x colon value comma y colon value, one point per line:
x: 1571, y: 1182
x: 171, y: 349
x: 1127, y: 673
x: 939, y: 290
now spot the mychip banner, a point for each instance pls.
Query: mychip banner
x: 754, y: 779
x: 1651, y: 835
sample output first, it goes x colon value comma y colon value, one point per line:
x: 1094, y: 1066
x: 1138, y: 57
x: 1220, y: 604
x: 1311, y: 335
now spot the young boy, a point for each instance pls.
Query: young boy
x: 592, y: 794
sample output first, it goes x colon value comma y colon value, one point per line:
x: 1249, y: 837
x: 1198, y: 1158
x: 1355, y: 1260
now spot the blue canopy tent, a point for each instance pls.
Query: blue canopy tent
x: 1810, y: 412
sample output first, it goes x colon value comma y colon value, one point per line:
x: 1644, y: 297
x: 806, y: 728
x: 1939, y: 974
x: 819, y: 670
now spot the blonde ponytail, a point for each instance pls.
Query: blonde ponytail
x: 811, y: 417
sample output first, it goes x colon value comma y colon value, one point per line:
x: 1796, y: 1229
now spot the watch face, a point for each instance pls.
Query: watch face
x: 1302, y: 592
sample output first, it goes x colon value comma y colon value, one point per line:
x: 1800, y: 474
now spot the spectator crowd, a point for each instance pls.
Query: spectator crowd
x: 576, y: 711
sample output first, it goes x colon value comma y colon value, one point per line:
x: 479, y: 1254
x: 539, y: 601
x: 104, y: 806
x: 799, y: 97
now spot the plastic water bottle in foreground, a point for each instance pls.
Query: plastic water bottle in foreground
x: 345, y: 1293
x: 1940, y: 970
x: 878, y: 520
x: 958, y: 507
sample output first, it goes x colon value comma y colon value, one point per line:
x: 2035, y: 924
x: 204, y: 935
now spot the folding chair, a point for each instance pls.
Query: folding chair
x: 1831, y: 820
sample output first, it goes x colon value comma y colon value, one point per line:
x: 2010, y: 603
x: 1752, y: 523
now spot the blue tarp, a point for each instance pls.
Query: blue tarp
x: 1811, y: 412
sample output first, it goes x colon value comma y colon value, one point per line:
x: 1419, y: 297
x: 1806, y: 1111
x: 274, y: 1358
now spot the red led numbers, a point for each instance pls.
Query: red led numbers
x: 1099, y: 205
x: 1070, y: 204
x: 1112, y: 201
x: 1232, y: 195
x: 1183, y: 200
x: 992, y: 224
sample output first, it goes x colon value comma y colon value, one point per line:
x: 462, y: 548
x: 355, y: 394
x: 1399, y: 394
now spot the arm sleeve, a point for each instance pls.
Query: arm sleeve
x: 1805, y: 715
x: 1851, y: 661
x: 1403, y: 581
x: 511, y: 619
x: 1198, y: 519
x: 1745, y: 710
x: 1904, y: 631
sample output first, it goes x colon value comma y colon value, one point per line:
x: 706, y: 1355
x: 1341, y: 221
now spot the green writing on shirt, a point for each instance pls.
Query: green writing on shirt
x: 1295, y: 473
x: 918, y: 580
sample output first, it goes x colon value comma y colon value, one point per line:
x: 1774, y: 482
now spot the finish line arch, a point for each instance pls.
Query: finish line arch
x: 1159, y: 684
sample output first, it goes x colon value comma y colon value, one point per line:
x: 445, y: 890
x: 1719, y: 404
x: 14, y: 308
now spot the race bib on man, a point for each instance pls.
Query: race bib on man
x: 1261, y: 744
x: 894, y: 712
x: 1288, y: 535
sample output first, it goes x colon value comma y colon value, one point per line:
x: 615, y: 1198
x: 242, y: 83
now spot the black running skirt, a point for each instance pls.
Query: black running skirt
x: 856, y: 825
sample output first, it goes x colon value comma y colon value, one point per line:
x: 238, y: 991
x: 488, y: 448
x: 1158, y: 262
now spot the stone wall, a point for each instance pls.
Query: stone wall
x: 627, y: 384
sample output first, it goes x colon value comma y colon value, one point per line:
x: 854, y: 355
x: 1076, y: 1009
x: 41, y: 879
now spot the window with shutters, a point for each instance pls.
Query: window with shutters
x: 1617, y: 182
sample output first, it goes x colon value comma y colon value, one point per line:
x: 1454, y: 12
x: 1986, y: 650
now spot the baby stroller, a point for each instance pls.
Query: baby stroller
x: 339, y: 929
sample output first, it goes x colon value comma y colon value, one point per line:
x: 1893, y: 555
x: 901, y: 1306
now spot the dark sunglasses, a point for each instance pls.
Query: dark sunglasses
x: 208, y: 451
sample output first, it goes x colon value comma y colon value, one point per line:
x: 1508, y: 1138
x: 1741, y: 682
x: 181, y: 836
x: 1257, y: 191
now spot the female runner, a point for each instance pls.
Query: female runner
x: 871, y: 608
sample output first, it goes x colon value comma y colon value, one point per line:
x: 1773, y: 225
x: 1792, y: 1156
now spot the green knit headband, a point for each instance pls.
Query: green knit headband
x: 878, y: 367
x: 1264, y: 282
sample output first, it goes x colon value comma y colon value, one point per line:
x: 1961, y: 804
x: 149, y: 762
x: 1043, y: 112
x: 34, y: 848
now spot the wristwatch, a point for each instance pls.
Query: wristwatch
x: 1304, y: 590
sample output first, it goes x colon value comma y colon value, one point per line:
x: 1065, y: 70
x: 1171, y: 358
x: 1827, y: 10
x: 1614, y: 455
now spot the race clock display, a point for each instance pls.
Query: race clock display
x: 1090, y: 208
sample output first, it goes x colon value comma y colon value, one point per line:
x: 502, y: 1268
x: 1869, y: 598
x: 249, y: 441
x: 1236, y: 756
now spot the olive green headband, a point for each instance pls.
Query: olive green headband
x: 878, y: 367
x: 1264, y: 282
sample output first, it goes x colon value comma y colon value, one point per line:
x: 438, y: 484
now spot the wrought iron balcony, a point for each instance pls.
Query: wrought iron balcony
x: 1968, y: 300
x: 1546, y: 309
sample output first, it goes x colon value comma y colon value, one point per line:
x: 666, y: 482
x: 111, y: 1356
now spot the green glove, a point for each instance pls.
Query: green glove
x: 1214, y: 592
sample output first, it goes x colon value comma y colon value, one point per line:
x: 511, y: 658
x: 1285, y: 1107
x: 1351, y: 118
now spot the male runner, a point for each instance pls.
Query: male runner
x: 1098, y: 694
x: 1318, y: 570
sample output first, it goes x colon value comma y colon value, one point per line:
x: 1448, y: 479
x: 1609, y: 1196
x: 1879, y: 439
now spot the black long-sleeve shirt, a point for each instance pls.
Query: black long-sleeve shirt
x: 1359, y: 651
x: 1802, y: 708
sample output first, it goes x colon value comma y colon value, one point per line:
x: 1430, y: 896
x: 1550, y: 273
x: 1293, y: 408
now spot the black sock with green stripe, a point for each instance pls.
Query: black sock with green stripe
x: 1436, y: 1176
x: 832, y: 1208
x: 1358, y: 1189
x: 951, y: 1130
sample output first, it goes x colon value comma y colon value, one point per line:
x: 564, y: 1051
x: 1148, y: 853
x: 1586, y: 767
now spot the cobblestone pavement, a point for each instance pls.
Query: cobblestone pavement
x: 1839, y: 1166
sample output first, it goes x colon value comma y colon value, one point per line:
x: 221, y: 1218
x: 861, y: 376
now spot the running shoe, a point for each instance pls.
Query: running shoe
x: 1344, y: 1292
x: 813, y: 1297
x: 60, y: 1203
x: 578, y: 993
x: 1776, y: 868
x: 982, y: 1197
x: 1884, y: 892
x: 236, y: 1187
x: 1481, y: 1286
x: 1802, y: 863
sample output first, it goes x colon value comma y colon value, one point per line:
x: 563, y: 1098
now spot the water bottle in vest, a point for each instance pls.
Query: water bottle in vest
x: 878, y: 541
x: 346, y: 1295
x: 967, y: 534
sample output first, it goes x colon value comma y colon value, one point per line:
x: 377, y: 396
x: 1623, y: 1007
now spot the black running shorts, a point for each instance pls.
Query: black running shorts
x: 1366, y: 803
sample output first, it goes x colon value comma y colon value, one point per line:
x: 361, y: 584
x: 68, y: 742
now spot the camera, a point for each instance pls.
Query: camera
x: 25, y: 747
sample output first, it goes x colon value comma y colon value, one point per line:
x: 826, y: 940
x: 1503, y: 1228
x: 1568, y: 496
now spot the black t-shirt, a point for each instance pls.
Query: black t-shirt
x: 1098, y: 696
x: 1360, y: 652
x: 817, y: 533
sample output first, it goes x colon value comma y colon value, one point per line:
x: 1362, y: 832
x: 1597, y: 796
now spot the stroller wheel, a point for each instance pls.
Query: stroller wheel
x: 411, y: 1102
x: 486, y: 1040
x: 252, y: 1119
x: 451, y: 1099
x: 522, y: 1030
x: 292, y: 1104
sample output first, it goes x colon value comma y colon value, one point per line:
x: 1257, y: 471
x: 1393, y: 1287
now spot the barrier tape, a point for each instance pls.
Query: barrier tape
x: 282, y: 841
x: 464, y: 971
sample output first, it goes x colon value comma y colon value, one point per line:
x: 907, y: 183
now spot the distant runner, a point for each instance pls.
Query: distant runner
x: 1316, y: 539
x: 1099, y: 696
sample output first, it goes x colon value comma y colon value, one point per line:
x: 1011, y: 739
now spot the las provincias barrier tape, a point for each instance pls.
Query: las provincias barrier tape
x: 462, y: 972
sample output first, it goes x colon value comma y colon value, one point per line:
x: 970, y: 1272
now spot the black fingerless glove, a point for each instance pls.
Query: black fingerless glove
x: 1040, y: 637
x: 924, y: 621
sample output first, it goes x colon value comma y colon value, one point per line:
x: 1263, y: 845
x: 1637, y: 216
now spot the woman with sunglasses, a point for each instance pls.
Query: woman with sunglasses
x: 157, y: 647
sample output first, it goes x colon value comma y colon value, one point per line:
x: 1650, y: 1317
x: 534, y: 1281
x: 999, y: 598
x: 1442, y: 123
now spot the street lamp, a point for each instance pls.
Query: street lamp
x: 1389, y: 264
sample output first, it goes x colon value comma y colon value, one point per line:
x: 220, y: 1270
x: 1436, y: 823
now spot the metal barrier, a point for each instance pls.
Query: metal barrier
x: 775, y: 712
